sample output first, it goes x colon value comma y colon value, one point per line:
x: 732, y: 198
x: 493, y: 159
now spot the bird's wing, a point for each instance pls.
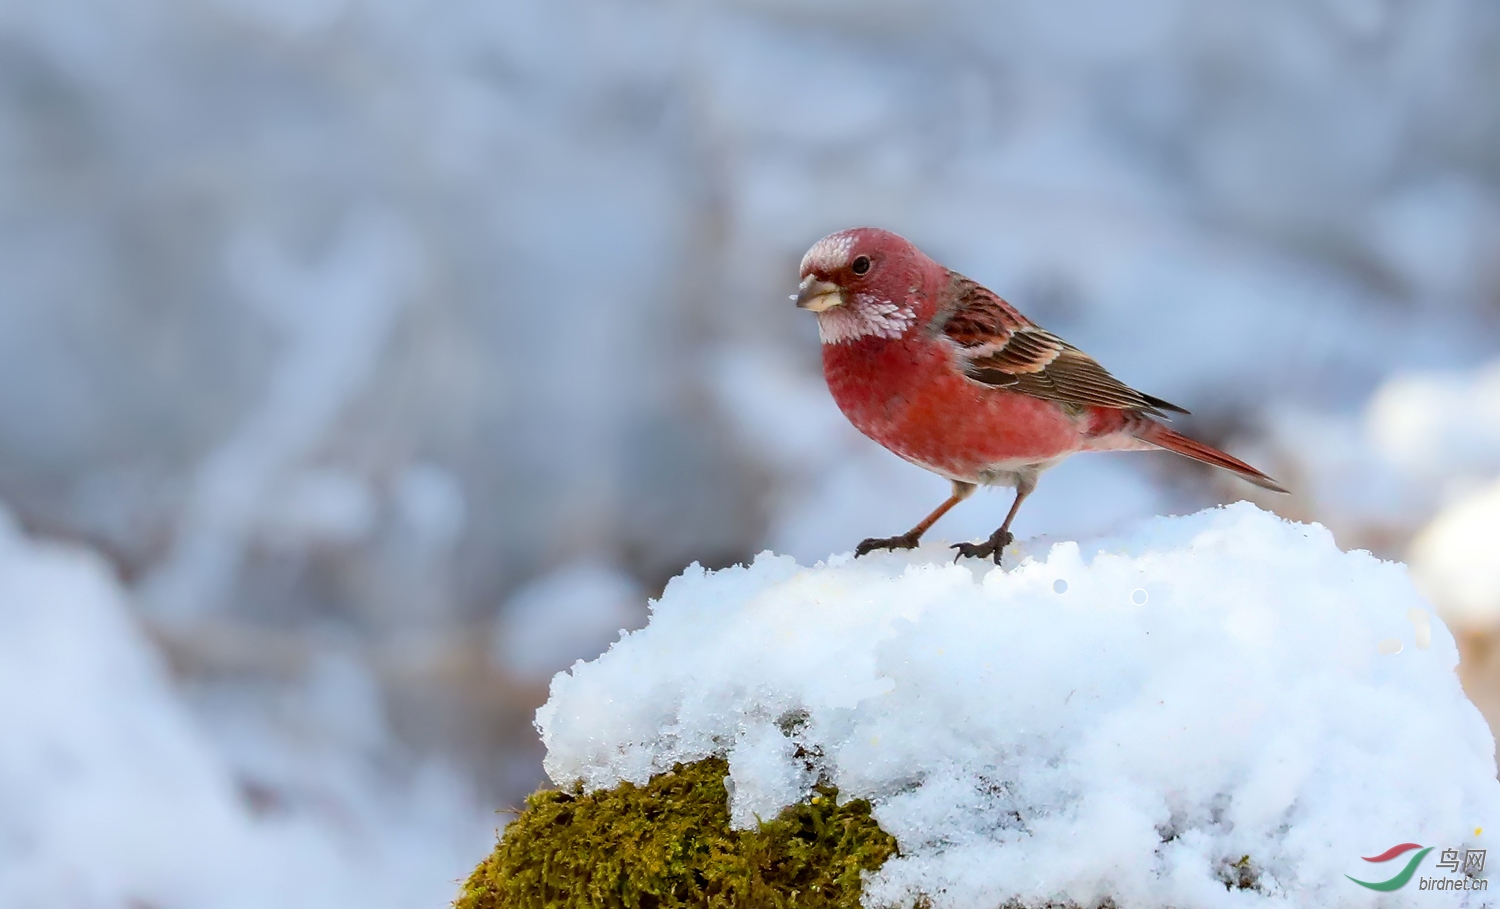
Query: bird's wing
x: 1001, y: 348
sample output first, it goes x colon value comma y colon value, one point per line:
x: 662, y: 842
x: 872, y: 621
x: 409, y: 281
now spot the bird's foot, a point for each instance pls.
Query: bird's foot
x: 992, y: 547
x: 905, y: 541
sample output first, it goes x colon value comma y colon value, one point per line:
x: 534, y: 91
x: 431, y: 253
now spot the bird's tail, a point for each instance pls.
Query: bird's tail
x: 1162, y: 437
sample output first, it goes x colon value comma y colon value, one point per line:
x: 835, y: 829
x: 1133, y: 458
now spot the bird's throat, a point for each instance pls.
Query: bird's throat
x: 864, y: 317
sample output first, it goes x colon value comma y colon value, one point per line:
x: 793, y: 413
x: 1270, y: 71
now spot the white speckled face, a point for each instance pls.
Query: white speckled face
x: 864, y: 316
x: 828, y: 254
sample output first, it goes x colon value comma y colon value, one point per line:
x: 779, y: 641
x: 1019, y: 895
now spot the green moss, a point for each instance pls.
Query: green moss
x: 668, y: 844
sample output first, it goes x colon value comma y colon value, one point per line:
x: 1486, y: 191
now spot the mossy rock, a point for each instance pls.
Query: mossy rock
x: 668, y: 845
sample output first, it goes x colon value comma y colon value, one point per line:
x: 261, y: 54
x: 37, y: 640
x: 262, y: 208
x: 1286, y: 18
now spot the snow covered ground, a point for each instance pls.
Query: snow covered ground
x: 1125, y: 717
x: 113, y: 795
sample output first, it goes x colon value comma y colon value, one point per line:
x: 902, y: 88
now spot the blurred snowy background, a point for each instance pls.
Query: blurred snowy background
x: 364, y: 363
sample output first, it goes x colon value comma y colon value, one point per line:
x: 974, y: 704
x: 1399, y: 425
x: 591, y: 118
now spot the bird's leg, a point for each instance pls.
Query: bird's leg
x: 1001, y: 538
x: 910, y: 539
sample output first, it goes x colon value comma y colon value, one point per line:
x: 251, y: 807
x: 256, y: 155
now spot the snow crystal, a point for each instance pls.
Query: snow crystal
x: 1127, y: 718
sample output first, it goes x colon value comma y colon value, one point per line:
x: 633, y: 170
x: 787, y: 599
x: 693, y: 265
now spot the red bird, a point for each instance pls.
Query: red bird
x: 949, y: 376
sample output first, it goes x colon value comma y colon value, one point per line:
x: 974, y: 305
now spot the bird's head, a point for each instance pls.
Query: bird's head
x: 861, y: 282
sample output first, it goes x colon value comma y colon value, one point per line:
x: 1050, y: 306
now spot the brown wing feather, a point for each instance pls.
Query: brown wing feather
x: 1004, y: 349
x: 975, y: 317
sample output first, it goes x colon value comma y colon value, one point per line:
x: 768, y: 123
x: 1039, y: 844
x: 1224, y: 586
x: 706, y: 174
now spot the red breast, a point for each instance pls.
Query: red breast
x: 907, y: 394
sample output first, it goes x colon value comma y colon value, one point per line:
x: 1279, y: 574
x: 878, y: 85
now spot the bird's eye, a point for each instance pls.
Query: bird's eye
x: 861, y: 265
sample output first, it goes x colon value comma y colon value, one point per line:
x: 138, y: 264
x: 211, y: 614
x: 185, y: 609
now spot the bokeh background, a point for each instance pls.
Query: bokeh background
x: 365, y: 362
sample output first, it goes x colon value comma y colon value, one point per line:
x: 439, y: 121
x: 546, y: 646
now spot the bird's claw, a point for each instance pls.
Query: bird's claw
x: 992, y: 547
x: 905, y: 541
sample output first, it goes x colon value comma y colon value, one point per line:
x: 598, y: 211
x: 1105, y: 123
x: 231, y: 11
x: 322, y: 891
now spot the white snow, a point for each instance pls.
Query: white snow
x: 112, y: 796
x: 1438, y: 424
x: 1454, y: 560
x: 1119, y: 718
x: 1424, y: 439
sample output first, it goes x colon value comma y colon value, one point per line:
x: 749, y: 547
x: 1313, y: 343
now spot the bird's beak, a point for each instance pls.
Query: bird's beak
x: 817, y: 296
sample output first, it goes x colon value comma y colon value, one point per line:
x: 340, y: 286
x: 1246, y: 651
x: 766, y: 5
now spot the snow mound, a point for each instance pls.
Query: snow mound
x: 1127, y: 718
x: 111, y: 796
